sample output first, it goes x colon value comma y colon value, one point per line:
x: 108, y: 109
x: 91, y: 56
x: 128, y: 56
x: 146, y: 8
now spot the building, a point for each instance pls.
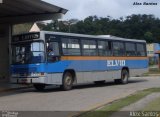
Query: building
x: 152, y: 48
x: 35, y: 28
x: 28, y: 27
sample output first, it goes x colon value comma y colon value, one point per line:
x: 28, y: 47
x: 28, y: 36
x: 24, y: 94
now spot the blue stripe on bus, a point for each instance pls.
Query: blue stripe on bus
x: 77, y: 65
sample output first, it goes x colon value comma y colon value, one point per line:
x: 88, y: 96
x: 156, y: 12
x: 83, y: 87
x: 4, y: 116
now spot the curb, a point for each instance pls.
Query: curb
x: 13, y: 89
x: 147, y: 75
x: 153, y: 74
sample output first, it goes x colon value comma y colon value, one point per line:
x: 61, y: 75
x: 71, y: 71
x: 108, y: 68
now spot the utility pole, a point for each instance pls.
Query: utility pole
x: 69, y: 23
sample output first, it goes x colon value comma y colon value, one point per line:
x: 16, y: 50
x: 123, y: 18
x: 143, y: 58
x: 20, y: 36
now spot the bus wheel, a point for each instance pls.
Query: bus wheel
x: 39, y: 87
x: 124, y: 76
x: 67, y: 82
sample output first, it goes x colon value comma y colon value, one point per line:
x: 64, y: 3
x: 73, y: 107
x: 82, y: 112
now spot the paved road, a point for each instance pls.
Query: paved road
x: 81, y: 98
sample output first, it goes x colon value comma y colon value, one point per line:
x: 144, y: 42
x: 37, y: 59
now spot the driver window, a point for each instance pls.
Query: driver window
x: 53, y: 49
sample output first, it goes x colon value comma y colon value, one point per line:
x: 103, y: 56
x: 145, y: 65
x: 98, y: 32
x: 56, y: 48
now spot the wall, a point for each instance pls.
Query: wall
x: 156, y: 48
x: 150, y: 50
x: 4, y: 52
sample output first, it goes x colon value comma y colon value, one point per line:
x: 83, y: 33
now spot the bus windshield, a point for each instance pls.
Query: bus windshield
x: 28, y: 53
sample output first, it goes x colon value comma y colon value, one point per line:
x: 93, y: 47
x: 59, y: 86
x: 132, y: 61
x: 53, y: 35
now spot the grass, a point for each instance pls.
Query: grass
x: 115, y: 106
x: 152, y: 71
x: 153, y: 106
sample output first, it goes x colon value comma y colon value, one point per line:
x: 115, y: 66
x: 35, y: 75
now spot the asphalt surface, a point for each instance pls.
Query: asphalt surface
x: 81, y: 98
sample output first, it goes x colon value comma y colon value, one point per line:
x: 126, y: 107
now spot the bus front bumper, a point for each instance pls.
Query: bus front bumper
x: 38, y: 80
x: 55, y: 79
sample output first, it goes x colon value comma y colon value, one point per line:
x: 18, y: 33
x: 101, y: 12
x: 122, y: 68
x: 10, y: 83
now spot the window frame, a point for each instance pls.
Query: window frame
x: 144, y: 47
x: 119, y: 41
x: 90, y: 39
x: 131, y: 42
x: 67, y: 38
x: 58, y: 38
x: 111, y: 50
x: 55, y: 39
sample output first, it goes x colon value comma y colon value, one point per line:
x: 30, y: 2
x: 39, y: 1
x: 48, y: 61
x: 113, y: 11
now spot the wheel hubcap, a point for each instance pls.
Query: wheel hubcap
x: 124, y: 76
x: 68, y: 80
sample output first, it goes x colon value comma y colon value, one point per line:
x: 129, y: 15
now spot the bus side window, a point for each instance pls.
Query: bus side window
x: 104, y: 48
x: 130, y: 49
x: 141, y: 49
x: 118, y: 49
x: 71, y: 46
x: 89, y: 47
x: 53, y: 48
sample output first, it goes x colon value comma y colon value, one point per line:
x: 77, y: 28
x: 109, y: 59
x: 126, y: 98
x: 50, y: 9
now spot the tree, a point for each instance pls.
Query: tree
x: 148, y: 36
x: 133, y: 26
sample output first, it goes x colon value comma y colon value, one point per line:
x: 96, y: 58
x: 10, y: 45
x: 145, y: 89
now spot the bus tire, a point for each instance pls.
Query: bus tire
x: 67, y: 82
x: 39, y: 87
x: 124, y: 76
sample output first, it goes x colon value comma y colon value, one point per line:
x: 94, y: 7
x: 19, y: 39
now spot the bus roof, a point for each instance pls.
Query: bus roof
x: 92, y: 36
x: 87, y: 36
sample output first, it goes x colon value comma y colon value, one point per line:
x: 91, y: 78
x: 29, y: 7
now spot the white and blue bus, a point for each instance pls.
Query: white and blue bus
x: 65, y: 59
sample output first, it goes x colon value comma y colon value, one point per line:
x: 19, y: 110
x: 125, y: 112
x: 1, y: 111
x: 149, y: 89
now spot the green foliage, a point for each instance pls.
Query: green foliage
x: 109, y: 109
x: 21, y: 28
x: 135, y: 26
x: 148, y: 36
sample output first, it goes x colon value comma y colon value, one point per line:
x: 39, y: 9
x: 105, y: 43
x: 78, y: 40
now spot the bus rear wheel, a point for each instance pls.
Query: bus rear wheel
x: 67, y: 82
x: 124, y: 77
x: 39, y: 87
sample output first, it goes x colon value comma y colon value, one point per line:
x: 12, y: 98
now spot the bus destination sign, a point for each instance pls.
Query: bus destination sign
x: 26, y: 37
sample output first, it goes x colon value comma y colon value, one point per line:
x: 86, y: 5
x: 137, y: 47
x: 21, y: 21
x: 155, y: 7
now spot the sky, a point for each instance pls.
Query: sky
x: 80, y: 9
